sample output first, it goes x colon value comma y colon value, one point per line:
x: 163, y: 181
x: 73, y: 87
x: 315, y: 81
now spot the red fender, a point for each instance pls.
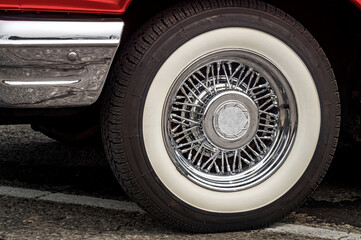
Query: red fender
x: 70, y: 6
x: 357, y: 3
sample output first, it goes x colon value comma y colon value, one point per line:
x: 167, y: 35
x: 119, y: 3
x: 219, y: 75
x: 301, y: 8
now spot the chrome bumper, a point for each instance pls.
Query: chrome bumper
x: 55, y: 63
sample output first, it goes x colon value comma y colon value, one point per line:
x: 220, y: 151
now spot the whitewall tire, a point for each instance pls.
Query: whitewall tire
x: 220, y: 115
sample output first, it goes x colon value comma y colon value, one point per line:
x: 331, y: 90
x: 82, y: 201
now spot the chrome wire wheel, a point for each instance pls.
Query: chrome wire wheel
x: 229, y: 119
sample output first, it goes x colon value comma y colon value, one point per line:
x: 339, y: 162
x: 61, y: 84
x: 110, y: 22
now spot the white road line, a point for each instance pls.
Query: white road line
x: 93, y: 202
x: 299, y: 230
x: 312, y: 232
x: 22, y: 193
x: 70, y: 199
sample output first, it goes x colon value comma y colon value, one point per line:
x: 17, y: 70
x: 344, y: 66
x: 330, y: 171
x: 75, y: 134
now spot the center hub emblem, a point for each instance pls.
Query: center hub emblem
x: 231, y: 120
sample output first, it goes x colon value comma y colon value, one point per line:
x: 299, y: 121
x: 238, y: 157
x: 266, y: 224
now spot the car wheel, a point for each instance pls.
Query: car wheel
x: 221, y: 115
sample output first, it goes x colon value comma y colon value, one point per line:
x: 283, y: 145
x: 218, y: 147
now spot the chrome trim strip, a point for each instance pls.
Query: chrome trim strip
x: 38, y: 83
x: 59, y: 32
x: 46, y: 64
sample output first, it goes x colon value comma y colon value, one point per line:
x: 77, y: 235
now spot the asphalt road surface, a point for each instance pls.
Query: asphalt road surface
x: 50, y: 190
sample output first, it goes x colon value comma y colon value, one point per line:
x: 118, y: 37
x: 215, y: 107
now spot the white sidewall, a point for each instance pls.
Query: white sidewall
x: 309, y: 121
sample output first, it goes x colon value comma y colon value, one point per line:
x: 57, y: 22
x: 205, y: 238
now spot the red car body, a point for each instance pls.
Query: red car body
x: 357, y: 3
x: 117, y: 7
x: 79, y: 6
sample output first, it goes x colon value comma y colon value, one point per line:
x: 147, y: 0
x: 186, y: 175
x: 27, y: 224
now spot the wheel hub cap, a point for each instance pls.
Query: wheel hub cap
x: 231, y: 120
